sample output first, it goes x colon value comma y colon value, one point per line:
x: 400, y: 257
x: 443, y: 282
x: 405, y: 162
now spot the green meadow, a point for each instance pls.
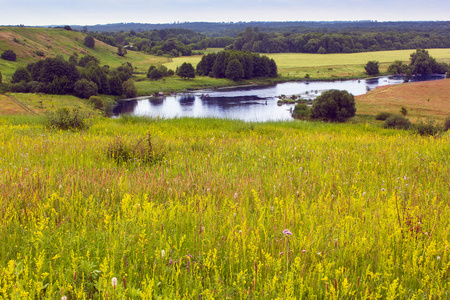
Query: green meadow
x: 204, y: 213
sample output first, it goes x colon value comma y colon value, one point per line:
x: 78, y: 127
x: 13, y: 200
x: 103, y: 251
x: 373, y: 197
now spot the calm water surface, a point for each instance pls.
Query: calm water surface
x: 247, y: 103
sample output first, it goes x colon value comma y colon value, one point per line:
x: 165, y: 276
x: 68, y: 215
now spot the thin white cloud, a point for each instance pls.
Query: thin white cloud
x: 87, y: 12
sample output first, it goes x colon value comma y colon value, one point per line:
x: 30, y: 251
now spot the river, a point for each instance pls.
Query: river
x: 251, y: 103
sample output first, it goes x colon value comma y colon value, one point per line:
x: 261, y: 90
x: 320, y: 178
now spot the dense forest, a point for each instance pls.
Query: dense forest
x: 277, y: 37
x: 232, y: 29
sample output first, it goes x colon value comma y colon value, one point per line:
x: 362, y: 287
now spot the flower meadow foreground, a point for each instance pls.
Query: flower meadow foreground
x: 138, y: 208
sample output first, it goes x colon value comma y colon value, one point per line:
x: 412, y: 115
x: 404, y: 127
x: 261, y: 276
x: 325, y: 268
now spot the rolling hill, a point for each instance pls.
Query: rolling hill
x: 31, y: 44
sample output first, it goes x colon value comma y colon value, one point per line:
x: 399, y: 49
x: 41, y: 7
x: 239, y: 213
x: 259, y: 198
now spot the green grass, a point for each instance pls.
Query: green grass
x: 367, y: 208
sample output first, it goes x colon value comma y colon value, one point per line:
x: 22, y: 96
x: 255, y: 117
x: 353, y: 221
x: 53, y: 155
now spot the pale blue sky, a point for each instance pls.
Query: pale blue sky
x: 91, y: 12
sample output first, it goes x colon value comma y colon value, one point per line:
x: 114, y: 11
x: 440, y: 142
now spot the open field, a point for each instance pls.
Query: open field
x: 328, y: 66
x: 428, y: 99
x: 368, y: 210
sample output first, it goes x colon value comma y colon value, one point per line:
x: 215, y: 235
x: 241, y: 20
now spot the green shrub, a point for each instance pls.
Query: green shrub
x: 39, y: 53
x: 403, y: 111
x: 382, y: 116
x: 427, y: 128
x: 65, y: 119
x: 447, y: 124
x: 397, y: 122
x: 140, y: 151
x: 9, y: 55
x: 96, y: 101
x: 301, y: 111
x: 84, y: 88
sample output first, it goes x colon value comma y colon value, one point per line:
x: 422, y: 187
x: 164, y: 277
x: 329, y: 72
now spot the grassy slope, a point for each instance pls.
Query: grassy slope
x: 59, y: 41
x: 421, y: 99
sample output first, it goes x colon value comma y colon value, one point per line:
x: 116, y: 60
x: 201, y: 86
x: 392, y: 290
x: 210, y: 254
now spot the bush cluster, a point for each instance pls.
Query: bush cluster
x: 397, y: 122
x: 382, y: 116
x: 9, y: 55
x: 83, y: 78
x: 139, y: 151
x: 66, y: 119
x: 301, y: 111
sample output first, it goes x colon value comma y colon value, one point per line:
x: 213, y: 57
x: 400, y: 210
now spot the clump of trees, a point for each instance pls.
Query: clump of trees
x: 334, y: 106
x: 236, y: 65
x: 155, y: 73
x: 9, y: 55
x: 82, y: 77
x: 421, y: 63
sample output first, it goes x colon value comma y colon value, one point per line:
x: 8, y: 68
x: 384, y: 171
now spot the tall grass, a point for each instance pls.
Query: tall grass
x: 368, y: 210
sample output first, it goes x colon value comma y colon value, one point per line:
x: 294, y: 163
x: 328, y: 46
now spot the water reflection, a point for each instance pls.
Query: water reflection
x: 247, y: 103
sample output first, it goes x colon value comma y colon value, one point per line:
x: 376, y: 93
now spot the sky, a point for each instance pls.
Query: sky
x: 92, y: 12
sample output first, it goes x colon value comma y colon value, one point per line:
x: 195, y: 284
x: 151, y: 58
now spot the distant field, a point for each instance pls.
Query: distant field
x: 321, y: 66
x: 421, y: 99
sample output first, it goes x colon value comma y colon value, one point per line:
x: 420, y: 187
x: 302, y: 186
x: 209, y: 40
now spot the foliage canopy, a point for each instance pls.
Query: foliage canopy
x: 334, y: 106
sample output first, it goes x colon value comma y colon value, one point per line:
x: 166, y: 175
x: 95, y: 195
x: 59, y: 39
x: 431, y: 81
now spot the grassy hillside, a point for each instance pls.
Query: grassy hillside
x: 367, y: 209
x: 421, y: 99
x: 26, y: 41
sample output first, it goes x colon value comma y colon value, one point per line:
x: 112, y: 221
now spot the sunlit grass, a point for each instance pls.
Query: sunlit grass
x: 367, y: 208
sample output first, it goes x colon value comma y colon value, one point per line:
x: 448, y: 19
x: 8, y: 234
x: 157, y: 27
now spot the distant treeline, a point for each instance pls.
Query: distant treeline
x: 177, y: 42
x: 255, y: 41
x: 174, y: 42
x: 232, y: 29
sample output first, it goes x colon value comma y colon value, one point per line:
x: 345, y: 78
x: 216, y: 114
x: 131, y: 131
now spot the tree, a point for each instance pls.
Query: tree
x: 84, y: 88
x: 87, y: 59
x: 129, y: 90
x: 121, y: 51
x: 422, y: 63
x: 89, y: 41
x: 9, y: 55
x: 115, y: 85
x: 234, y: 71
x: 21, y: 74
x: 186, y: 70
x: 334, y: 105
x: 372, y: 68
x: 397, y: 67
x: 154, y: 74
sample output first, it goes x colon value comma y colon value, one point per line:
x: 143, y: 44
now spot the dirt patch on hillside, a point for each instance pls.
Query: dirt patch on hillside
x: 421, y: 99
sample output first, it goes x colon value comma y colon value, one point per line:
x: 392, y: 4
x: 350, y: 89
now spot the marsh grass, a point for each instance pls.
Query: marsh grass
x: 367, y: 208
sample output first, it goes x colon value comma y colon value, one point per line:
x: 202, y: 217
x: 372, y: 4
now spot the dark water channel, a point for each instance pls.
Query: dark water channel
x: 247, y: 103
